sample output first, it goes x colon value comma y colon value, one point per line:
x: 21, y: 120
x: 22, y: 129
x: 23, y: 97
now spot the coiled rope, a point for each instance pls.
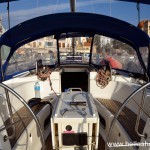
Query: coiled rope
x: 103, y: 77
x: 43, y: 73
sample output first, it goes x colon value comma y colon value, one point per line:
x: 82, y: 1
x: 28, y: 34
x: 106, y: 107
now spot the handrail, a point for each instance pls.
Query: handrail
x: 139, y: 114
x: 11, y: 114
x: 142, y: 109
x: 10, y: 125
x: 71, y: 89
x: 31, y: 112
x: 121, y: 108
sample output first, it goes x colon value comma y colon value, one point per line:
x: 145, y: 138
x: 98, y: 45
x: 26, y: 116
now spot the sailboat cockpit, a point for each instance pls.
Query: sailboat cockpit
x: 74, y: 81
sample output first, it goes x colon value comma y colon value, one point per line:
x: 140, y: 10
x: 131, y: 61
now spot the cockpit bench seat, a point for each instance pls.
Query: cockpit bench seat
x: 127, y: 118
x: 26, y: 118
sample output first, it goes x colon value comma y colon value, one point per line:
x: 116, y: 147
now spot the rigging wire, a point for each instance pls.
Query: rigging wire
x: 37, y: 6
x: 56, y: 6
x: 92, y: 6
x: 138, y: 9
x: 110, y: 9
x: 8, y: 11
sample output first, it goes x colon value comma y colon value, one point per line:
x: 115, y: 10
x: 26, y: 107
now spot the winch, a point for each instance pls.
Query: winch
x: 75, y: 121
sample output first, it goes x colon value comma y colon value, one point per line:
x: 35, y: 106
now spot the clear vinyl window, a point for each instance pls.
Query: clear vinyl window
x: 75, y: 49
x: 120, y: 55
x: 5, y: 50
x: 25, y: 57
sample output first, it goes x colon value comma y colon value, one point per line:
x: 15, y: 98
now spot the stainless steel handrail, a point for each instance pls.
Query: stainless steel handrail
x: 11, y: 114
x: 121, y: 108
x: 139, y: 114
x: 10, y: 125
x: 71, y: 89
x: 142, y: 109
x: 26, y: 105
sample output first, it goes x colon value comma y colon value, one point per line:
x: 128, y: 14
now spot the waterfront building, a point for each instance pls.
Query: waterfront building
x: 2, y: 30
x: 145, y: 26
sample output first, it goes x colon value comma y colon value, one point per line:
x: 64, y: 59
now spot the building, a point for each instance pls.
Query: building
x: 2, y: 30
x: 81, y: 44
x: 104, y: 40
x: 46, y: 44
x: 145, y: 26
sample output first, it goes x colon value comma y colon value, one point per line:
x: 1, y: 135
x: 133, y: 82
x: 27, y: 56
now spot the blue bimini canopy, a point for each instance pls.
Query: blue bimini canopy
x: 6, y: 1
x: 56, y: 24
x: 137, y: 1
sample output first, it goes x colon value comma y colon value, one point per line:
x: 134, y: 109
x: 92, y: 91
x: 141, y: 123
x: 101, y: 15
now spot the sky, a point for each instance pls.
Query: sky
x: 23, y: 10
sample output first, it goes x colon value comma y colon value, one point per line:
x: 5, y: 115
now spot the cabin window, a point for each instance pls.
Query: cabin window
x: 25, y: 57
x: 119, y: 54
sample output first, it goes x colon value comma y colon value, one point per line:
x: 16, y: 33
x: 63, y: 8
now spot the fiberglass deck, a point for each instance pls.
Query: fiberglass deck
x: 127, y: 118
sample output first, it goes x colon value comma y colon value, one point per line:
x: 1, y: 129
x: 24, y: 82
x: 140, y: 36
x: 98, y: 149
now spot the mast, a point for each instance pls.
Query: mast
x: 8, y: 9
x: 73, y: 5
x: 138, y: 9
x: 73, y: 10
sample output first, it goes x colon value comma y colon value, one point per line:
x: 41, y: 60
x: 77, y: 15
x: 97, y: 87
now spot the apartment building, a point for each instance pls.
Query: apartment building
x: 145, y: 26
x: 2, y: 30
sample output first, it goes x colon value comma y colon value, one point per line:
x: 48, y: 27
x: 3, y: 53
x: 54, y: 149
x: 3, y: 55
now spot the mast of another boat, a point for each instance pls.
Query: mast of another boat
x: 73, y: 10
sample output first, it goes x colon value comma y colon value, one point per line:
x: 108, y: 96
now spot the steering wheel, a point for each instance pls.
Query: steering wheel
x: 28, y: 108
x: 103, y: 74
x: 122, y: 107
